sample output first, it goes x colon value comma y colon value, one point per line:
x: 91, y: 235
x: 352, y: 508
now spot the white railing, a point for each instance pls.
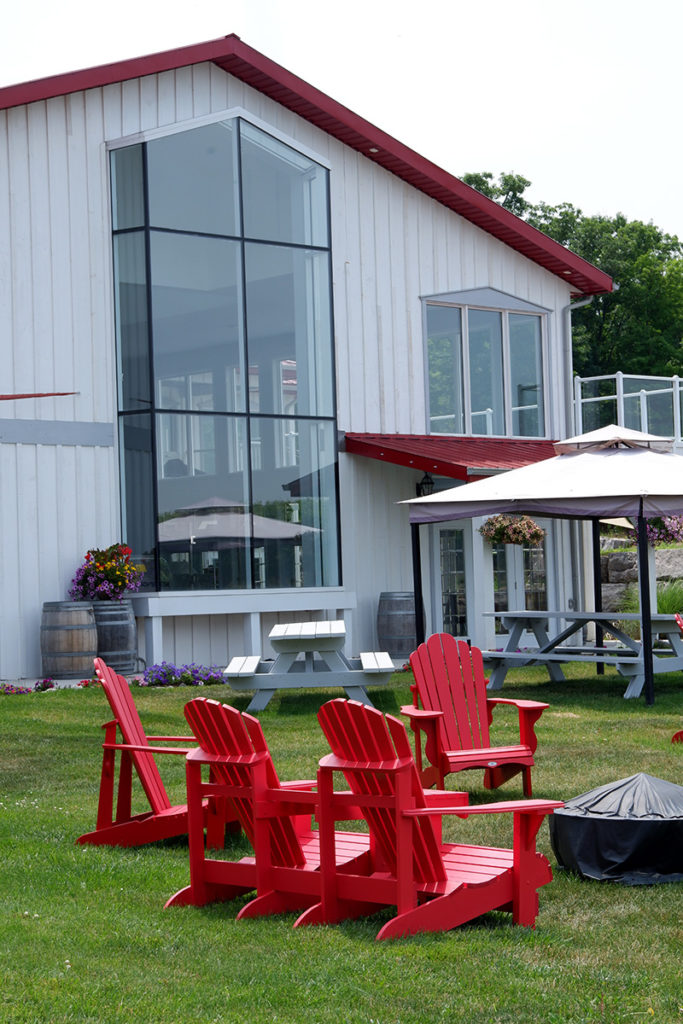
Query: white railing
x: 651, y: 404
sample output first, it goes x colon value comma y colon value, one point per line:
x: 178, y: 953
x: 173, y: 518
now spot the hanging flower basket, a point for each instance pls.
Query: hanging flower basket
x: 504, y: 529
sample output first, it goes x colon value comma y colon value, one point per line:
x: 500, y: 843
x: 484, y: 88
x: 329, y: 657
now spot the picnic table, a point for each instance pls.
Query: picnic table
x: 323, y: 663
x: 551, y: 630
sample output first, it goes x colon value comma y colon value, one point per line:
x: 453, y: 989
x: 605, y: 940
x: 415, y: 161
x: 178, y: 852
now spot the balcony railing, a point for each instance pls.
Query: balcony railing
x: 651, y: 404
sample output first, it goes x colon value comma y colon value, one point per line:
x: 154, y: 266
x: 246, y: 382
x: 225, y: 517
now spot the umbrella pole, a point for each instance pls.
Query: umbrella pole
x: 645, y: 608
x: 597, y: 590
x: 417, y: 585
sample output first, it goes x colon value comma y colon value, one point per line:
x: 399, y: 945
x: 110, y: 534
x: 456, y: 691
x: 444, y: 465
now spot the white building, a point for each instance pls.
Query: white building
x: 254, y: 322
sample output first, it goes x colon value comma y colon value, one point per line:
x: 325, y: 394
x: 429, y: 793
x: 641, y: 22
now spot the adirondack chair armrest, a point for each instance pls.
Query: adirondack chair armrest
x: 300, y: 784
x: 285, y: 801
x: 192, y: 740
x: 146, y: 748
x: 419, y: 715
x: 541, y: 807
x: 529, y: 712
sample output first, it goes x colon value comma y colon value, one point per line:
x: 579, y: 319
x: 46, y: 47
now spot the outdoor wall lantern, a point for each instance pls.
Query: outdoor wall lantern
x: 425, y: 486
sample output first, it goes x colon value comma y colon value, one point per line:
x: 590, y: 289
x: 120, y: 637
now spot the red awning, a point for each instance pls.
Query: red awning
x: 458, y: 457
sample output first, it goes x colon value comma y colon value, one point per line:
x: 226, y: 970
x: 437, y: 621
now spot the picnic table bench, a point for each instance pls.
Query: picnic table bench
x: 626, y: 656
x: 323, y: 664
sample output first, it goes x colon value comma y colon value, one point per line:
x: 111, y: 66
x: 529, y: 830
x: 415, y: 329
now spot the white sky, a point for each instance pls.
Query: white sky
x: 583, y: 98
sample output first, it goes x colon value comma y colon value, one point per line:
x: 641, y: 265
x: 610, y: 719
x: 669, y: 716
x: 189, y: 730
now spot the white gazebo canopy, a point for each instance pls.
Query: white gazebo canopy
x: 610, y: 472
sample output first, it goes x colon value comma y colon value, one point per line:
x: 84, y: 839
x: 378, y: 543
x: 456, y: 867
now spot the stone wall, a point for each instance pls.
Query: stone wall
x: 619, y: 568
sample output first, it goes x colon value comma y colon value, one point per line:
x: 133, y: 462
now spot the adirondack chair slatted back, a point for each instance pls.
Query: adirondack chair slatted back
x: 118, y: 694
x: 449, y: 677
x: 236, y: 737
x: 360, y: 734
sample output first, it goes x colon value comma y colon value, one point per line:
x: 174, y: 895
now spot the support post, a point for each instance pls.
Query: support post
x: 597, y: 590
x: 417, y: 584
x: 645, y: 608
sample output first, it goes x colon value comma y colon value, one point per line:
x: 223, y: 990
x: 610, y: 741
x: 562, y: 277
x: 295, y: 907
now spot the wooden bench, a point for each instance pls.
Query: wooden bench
x: 376, y: 661
x: 242, y: 665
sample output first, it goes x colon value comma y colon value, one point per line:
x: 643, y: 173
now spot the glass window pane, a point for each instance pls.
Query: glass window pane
x: 453, y: 589
x: 284, y: 192
x: 197, y: 322
x: 526, y: 375
x: 486, y: 371
x: 137, y: 495
x: 127, y: 188
x: 295, y: 530
x: 132, y: 334
x: 289, y: 331
x: 204, y: 525
x: 192, y: 179
x: 444, y: 354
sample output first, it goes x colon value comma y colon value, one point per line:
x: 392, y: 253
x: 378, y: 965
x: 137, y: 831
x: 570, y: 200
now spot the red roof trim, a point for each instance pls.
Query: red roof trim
x: 40, y: 394
x: 456, y: 457
x: 263, y: 74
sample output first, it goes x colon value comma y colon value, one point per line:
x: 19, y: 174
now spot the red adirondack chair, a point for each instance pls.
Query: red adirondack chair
x: 456, y: 713
x: 163, y: 820
x: 275, y: 817
x: 435, y: 886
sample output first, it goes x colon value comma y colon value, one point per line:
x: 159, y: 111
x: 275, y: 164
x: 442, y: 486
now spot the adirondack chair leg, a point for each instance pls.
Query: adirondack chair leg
x: 463, y: 904
x: 502, y: 773
x: 123, y: 802
x: 274, y: 902
x: 105, y: 805
x: 530, y: 870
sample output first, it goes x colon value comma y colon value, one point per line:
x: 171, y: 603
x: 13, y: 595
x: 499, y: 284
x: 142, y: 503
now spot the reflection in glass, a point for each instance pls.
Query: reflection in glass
x: 236, y: 364
x: 127, y: 188
x: 203, y: 521
x: 132, y: 330
x: 444, y: 354
x: 197, y: 321
x: 486, y: 371
x: 295, y: 487
x: 137, y: 494
x: 193, y: 180
x: 289, y: 331
x: 284, y: 192
x: 526, y: 375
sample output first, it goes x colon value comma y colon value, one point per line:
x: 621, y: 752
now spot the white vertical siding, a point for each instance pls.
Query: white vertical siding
x: 391, y: 245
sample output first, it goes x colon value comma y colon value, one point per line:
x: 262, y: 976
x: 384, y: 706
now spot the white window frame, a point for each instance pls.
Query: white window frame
x: 508, y: 305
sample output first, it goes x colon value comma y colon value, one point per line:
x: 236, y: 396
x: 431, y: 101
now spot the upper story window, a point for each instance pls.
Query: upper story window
x: 225, y: 356
x: 485, y: 366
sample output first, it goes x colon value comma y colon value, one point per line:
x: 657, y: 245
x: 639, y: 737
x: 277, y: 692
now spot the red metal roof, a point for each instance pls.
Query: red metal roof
x: 263, y: 74
x: 458, y: 457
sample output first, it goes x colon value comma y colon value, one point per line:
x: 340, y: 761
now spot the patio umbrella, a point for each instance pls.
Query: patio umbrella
x: 612, y: 471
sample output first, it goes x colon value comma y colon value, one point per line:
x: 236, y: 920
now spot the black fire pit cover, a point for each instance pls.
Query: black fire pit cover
x: 629, y: 831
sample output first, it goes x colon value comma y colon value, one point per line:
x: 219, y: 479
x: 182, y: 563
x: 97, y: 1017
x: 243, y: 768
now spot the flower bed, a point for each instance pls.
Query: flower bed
x: 168, y: 674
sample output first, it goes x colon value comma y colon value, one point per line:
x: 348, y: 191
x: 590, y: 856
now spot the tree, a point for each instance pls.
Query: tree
x: 638, y: 328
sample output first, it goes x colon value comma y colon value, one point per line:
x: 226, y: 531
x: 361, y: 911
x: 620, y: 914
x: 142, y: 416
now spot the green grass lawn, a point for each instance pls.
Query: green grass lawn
x: 84, y: 936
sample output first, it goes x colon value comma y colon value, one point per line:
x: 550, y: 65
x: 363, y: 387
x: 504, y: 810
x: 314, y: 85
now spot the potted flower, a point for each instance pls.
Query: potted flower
x: 105, y: 577
x: 506, y: 529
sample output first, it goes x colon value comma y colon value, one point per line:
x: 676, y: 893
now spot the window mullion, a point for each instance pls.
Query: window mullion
x: 467, y: 394
x: 507, y: 395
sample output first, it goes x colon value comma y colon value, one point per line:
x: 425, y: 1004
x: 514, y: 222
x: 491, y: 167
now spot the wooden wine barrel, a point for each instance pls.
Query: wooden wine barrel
x: 68, y: 639
x: 396, y: 623
x: 117, y: 638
